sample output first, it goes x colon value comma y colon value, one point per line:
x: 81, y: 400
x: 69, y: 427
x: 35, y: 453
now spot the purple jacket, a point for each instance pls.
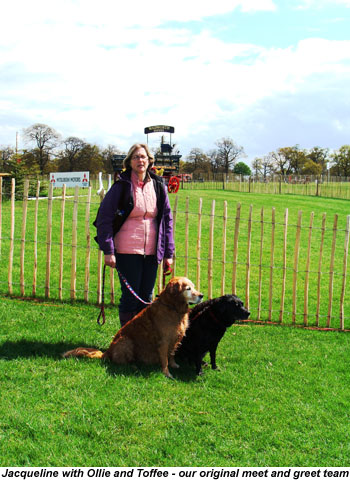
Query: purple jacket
x: 120, y: 199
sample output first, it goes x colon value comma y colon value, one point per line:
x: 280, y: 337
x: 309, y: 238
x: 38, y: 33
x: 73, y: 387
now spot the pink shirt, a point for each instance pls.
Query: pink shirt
x: 138, y: 235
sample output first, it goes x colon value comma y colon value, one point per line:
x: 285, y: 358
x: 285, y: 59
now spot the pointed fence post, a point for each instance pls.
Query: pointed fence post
x: 48, y: 241
x: 35, y: 243
x: 12, y: 235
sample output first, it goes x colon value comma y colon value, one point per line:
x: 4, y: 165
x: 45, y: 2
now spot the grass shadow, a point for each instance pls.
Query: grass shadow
x: 11, y: 350
x: 185, y: 373
x: 139, y: 370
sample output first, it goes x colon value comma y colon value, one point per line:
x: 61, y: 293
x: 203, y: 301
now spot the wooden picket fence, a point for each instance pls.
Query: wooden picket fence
x: 288, y: 265
x: 284, y: 271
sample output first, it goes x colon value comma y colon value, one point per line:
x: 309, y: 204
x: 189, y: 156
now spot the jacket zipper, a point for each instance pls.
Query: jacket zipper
x: 144, y: 218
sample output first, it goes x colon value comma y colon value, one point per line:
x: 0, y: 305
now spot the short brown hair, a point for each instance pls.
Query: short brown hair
x: 127, y: 159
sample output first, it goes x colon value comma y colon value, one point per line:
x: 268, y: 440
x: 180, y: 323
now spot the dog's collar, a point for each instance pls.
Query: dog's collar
x: 208, y: 309
x: 216, y: 319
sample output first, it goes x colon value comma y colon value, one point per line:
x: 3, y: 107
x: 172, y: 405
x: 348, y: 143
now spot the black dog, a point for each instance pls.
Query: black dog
x: 207, y: 325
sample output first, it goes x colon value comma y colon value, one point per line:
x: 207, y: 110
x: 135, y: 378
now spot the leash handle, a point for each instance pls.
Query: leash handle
x: 103, y: 315
x: 166, y: 272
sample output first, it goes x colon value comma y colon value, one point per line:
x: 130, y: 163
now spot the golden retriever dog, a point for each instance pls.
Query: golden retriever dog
x: 153, y: 334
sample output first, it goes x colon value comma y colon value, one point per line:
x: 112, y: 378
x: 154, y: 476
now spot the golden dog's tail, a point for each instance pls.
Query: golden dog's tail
x: 83, y: 352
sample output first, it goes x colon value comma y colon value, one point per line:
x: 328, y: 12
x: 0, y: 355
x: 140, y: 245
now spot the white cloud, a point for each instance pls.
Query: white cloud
x: 92, y: 70
x: 323, y: 3
x: 113, y: 14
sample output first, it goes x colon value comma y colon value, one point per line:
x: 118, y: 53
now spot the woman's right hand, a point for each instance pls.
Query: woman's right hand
x: 110, y: 260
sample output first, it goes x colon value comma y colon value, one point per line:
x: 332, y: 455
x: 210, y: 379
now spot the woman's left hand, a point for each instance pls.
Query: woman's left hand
x: 167, y: 264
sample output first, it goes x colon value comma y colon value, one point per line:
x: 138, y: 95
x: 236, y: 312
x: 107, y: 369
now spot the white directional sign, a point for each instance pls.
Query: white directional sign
x: 70, y: 179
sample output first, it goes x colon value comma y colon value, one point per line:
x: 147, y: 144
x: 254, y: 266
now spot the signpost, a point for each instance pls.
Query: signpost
x: 70, y: 179
x: 159, y: 128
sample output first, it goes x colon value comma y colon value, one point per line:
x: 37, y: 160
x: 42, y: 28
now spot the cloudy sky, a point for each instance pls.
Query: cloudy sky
x: 267, y: 73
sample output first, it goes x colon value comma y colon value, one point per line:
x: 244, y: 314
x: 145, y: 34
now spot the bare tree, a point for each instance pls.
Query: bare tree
x: 108, y: 154
x: 45, y: 138
x: 228, y: 152
x: 6, y: 153
x: 197, y: 161
x: 257, y: 166
x: 288, y: 160
x: 214, y: 160
x: 73, y: 145
x: 280, y: 162
x: 267, y: 165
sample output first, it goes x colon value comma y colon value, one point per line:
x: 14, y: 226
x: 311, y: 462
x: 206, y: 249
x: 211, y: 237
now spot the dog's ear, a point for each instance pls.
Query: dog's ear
x: 173, y: 287
x: 227, y: 305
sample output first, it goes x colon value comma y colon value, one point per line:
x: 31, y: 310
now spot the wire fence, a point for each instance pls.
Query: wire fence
x: 308, y: 185
x: 319, y: 186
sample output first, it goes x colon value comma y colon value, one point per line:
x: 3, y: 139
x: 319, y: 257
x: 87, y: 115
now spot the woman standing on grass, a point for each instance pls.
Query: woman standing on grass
x: 135, y: 229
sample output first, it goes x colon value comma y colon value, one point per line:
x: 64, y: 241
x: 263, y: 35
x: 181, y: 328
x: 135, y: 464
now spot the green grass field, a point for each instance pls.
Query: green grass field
x: 280, y: 399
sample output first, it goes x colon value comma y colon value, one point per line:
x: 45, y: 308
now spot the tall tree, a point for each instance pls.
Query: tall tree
x: 228, y: 152
x: 214, y: 160
x: 267, y: 166
x: 197, y: 161
x: 295, y: 157
x: 12, y: 163
x: 311, y: 168
x: 257, y: 166
x: 29, y: 161
x: 89, y: 158
x: 320, y: 156
x: 242, y: 168
x: 280, y: 162
x: 107, y: 155
x: 287, y: 160
x: 73, y: 145
x: 6, y: 154
x: 341, y: 162
x: 45, y: 139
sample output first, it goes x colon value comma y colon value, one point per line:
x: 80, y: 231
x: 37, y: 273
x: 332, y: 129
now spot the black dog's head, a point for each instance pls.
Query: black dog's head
x: 229, y: 308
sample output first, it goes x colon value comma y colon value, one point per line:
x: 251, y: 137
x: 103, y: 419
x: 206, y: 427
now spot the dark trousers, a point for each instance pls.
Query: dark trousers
x: 141, y: 273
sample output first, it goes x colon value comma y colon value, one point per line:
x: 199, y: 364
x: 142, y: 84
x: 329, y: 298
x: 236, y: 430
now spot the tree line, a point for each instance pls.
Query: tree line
x: 51, y: 153
x: 48, y: 152
x: 284, y: 161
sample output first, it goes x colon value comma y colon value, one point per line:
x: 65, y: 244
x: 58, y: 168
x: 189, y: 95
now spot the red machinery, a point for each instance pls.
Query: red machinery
x: 167, y: 163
